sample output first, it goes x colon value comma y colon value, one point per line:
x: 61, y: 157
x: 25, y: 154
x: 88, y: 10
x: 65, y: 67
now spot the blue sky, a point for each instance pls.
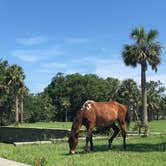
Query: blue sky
x: 76, y: 36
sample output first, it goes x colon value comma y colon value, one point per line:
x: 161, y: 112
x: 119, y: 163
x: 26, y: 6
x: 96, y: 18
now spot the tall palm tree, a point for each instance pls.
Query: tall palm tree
x: 22, y: 92
x: 145, y: 51
x: 15, y: 80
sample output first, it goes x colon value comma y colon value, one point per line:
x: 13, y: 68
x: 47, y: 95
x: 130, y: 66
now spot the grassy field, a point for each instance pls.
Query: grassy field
x: 158, y: 126
x: 61, y: 125
x: 142, y: 151
x: 154, y: 126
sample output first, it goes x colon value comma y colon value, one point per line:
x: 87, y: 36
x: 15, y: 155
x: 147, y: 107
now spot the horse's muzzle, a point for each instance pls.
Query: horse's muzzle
x: 72, y: 152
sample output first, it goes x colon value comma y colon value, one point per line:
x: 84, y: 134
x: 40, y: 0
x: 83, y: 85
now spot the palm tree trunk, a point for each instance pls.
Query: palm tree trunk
x: 1, y: 115
x: 157, y: 115
x: 17, y: 119
x: 66, y: 115
x: 22, y: 109
x: 144, y: 122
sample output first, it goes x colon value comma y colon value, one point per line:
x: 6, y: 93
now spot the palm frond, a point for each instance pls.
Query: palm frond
x: 130, y: 55
x: 139, y: 35
x: 153, y: 52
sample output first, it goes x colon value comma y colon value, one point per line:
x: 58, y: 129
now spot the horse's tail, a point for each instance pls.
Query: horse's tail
x: 127, y: 115
x: 127, y: 119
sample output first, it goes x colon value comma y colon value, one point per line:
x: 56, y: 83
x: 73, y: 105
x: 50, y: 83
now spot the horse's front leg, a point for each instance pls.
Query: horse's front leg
x: 89, y: 139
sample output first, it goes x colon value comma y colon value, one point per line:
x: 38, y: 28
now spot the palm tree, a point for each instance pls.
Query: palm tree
x: 145, y: 51
x: 22, y: 92
x: 15, y: 80
x: 155, y: 91
x: 3, y: 68
x: 66, y: 104
x: 129, y: 94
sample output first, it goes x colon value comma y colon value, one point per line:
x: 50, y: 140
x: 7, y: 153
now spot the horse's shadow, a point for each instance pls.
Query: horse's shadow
x: 135, y: 147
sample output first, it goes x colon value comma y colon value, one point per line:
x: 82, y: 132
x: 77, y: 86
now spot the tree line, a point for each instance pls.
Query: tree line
x: 12, y: 92
x: 63, y: 97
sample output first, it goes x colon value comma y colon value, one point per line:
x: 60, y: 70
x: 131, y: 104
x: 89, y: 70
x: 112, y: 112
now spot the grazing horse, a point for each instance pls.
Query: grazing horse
x: 98, y: 114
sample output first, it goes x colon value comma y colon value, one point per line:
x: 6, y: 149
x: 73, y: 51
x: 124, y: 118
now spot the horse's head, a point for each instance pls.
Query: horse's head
x: 73, y: 141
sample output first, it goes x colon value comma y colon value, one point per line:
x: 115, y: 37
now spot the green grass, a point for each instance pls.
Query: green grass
x: 158, y: 126
x: 144, y: 151
x: 154, y: 126
x: 64, y: 125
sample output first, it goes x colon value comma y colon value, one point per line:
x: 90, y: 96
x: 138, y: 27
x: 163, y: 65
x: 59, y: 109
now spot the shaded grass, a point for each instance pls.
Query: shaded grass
x: 61, y: 125
x: 140, y: 151
x: 154, y: 126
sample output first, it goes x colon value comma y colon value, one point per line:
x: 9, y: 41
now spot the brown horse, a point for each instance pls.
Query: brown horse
x: 98, y: 114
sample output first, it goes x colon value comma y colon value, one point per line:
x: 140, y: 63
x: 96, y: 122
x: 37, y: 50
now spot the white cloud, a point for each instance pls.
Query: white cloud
x: 26, y: 56
x: 32, y: 40
x: 45, y: 71
x: 34, y: 55
x: 156, y: 77
x: 115, y: 68
x: 102, y: 67
x: 77, y: 40
x: 72, y: 71
x: 55, y: 65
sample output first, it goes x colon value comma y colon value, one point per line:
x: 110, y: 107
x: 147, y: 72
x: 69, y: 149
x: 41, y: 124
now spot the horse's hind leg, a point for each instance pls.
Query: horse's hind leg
x: 122, y: 126
x: 91, y: 143
x: 116, y: 131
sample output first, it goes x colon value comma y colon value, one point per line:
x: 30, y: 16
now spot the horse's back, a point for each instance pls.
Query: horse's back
x: 110, y: 106
x: 105, y: 112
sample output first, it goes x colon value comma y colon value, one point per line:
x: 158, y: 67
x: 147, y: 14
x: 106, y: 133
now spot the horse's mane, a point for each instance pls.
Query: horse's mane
x: 77, y: 123
x: 78, y: 118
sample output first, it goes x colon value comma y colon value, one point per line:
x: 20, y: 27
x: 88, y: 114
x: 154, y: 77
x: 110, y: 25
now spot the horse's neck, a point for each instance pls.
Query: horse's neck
x: 77, y: 124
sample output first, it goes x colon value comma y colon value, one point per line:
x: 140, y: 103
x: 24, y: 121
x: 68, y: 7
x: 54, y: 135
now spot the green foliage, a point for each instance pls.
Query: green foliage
x: 6, y: 100
x: 64, y: 96
x: 129, y: 94
x: 155, y: 99
x: 38, y: 108
x: 77, y: 88
x: 11, y: 81
x: 146, y: 49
